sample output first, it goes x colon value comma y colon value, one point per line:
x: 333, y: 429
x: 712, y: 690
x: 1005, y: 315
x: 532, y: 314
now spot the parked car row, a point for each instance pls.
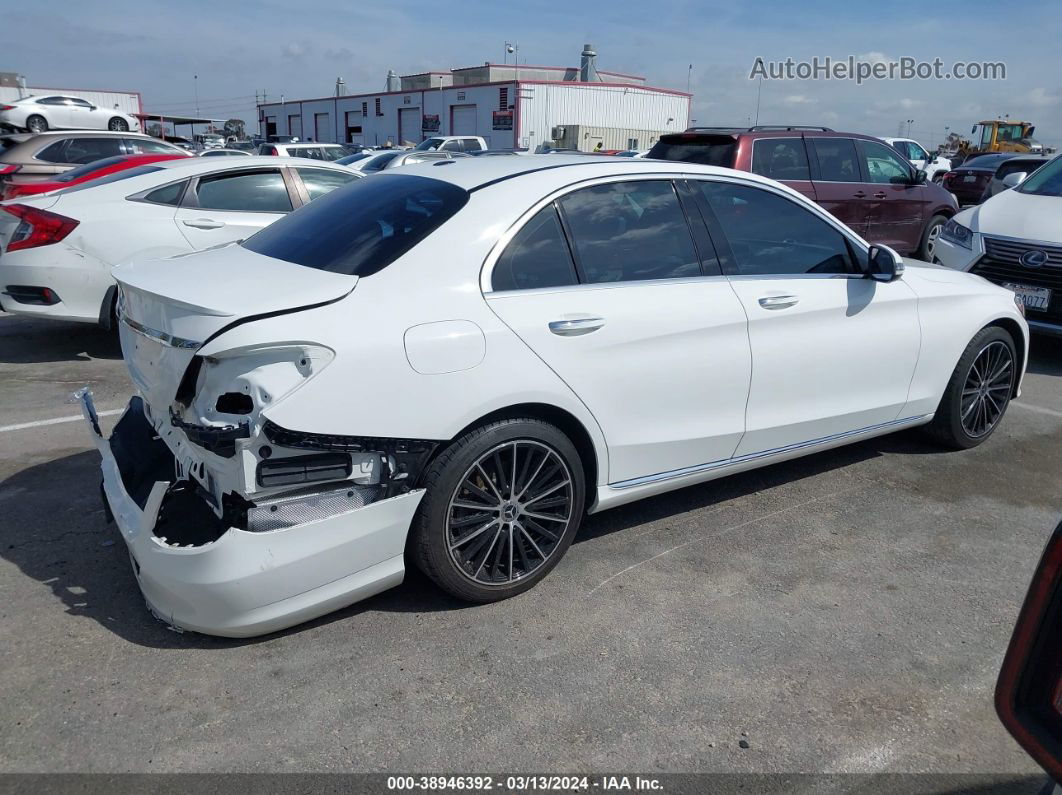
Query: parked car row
x: 59, y: 248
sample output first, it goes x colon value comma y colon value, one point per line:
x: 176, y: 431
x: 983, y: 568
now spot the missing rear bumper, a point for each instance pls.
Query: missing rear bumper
x: 297, y: 557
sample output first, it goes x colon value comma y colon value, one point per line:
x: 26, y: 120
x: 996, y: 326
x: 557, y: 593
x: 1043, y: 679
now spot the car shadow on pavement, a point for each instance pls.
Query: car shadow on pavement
x: 67, y: 544
x: 33, y: 341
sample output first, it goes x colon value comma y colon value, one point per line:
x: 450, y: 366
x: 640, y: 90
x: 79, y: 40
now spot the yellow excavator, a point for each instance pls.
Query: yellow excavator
x: 999, y: 135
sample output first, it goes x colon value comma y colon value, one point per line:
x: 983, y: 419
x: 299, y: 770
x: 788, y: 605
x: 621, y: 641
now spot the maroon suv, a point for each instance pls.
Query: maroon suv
x: 862, y: 180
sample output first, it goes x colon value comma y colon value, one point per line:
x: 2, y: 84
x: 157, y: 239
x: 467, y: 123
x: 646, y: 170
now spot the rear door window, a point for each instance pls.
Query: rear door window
x: 145, y: 146
x: 364, y: 227
x: 837, y: 159
x: 780, y: 158
x: 630, y: 231
x: 81, y: 150
x: 708, y: 150
x: 253, y: 192
x: 536, y: 257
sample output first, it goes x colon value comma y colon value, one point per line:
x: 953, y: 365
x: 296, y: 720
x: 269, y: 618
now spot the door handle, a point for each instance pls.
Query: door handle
x: 576, y: 327
x: 880, y: 195
x: 204, y: 223
x: 779, y: 301
x: 859, y: 195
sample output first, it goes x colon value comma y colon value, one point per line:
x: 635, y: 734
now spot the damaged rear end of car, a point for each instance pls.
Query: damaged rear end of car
x: 236, y: 524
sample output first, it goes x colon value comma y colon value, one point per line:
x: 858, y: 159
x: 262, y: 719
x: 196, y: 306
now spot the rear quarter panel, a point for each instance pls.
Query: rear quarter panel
x: 371, y: 389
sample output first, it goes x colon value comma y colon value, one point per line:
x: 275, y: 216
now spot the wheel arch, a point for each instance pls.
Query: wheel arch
x: 1013, y: 328
x: 590, y: 457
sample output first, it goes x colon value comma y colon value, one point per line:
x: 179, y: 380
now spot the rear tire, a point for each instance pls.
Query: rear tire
x: 118, y: 125
x: 501, y: 507
x: 978, y: 393
x: 930, y: 236
x: 37, y: 124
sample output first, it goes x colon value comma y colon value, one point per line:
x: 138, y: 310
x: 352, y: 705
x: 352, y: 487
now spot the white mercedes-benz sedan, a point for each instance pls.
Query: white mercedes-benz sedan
x: 1015, y: 240
x: 57, y: 249
x: 450, y: 365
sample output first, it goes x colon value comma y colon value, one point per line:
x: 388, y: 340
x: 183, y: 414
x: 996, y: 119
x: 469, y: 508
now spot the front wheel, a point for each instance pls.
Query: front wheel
x: 927, y: 249
x: 502, y: 505
x: 37, y: 124
x: 118, y: 125
x: 979, y: 391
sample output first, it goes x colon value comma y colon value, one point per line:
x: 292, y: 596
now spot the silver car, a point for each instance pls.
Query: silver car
x: 393, y: 158
x: 56, y: 112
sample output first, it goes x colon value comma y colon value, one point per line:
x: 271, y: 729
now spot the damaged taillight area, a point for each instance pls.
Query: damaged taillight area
x: 229, y: 389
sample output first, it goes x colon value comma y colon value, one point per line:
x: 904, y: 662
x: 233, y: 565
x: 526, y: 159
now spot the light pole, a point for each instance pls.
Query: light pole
x: 909, y: 123
x: 513, y: 48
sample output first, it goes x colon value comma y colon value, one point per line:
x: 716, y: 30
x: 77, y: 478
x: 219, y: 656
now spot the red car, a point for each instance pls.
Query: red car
x: 863, y: 181
x: 93, y: 170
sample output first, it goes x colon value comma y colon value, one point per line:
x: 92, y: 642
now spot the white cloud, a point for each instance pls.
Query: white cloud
x: 798, y: 99
x: 1042, y: 98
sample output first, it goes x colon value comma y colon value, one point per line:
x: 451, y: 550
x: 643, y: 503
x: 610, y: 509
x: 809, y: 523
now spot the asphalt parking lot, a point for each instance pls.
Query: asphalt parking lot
x: 846, y: 612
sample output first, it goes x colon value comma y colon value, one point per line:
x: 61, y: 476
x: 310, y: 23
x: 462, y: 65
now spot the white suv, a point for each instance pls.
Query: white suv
x: 935, y: 166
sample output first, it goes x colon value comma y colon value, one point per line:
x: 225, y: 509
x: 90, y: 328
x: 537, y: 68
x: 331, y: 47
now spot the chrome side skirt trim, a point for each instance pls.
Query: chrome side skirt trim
x: 693, y: 470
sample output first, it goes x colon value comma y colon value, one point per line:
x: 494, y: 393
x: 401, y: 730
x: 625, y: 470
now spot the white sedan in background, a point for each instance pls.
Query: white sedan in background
x: 935, y: 166
x: 57, y: 249
x: 55, y: 112
x: 453, y: 363
x: 1015, y: 240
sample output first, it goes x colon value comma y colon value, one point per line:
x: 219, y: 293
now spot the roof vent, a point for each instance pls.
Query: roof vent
x: 393, y: 81
x: 588, y: 65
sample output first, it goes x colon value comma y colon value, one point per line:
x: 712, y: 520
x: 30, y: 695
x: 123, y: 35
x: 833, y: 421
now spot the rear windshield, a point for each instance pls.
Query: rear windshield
x: 362, y: 228
x: 346, y: 161
x: 379, y: 163
x: 708, y: 150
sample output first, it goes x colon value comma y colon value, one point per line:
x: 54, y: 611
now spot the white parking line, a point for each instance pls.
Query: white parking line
x: 1038, y: 409
x: 57, y: 421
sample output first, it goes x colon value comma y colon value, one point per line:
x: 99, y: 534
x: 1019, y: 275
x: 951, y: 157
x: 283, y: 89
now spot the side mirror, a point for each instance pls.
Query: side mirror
x: 920, y: 176
x: 884, y: 264
x: 1015, y: 179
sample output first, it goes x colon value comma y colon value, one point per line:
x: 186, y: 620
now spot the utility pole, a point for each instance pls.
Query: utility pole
x: 759, y: 89
x: 689, y: 74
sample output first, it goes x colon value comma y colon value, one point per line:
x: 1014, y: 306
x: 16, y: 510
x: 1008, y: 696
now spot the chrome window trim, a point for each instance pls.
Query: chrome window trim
x: 487, y: 269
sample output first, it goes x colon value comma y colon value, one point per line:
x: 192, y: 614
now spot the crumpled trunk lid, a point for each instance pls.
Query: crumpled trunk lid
x: 170, y: 307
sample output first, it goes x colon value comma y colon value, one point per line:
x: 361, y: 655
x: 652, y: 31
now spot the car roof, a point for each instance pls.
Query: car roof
x: 290, y: 144
x: 250, y: 161
x: 472, y: 173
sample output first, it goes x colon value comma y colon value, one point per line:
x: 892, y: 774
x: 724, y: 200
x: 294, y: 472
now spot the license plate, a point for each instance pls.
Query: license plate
x: 1032, y: 297
x: 970, y: 178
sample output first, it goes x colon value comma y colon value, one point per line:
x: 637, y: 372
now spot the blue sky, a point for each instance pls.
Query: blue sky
x: 299, y: 48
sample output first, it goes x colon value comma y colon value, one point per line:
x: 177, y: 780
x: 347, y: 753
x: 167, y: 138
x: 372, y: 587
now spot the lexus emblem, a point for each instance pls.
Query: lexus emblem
x: 1033, y: 258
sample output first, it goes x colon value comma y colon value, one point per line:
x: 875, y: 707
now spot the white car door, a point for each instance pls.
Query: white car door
x: 232, y: 205
x: 833, y: 352
x: 608, y: 286
x: 55, y: 110
x: 82, y: 116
